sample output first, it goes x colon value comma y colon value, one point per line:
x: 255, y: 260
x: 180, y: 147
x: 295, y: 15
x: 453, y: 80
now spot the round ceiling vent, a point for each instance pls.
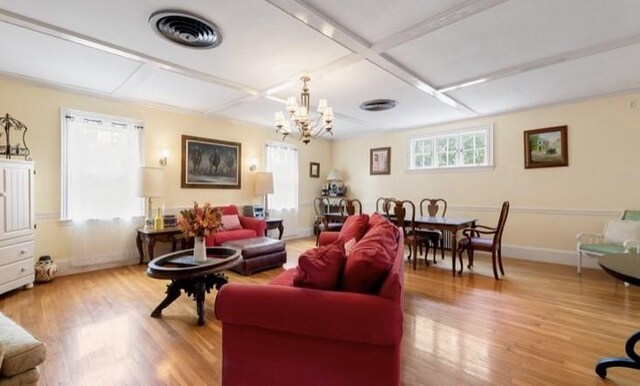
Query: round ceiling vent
x: 378, y: 105
x: 186, y: 29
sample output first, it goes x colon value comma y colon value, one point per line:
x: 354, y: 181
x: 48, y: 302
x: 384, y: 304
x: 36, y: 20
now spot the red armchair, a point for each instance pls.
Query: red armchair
x: 282, y: 335
x: 251, y: 227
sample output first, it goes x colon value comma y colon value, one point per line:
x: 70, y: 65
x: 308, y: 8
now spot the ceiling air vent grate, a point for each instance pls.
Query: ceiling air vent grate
x: 186, y: 29
x: 378, y: 105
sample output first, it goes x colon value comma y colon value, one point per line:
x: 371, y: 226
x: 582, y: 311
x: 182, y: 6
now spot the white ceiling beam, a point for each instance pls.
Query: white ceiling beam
x: 139, y: 76
x: 435, y: 23
x: 334, y: 31
x: 545, y: 62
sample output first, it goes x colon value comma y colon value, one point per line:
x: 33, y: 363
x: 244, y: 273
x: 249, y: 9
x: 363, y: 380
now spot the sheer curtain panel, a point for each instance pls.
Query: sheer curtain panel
x: 100, y: 157
x: 282, y: 160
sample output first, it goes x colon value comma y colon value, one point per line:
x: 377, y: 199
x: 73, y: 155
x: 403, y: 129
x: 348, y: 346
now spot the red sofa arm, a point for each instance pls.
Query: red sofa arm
x: 257, y: 224
x: 327, y: 237
x: 325, y: 314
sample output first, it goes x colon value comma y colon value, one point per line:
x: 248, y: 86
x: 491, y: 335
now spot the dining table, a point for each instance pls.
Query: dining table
x: 446, y: 224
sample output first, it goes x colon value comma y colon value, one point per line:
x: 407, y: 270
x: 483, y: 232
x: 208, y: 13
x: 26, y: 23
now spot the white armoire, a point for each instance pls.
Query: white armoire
x: 17, y: 224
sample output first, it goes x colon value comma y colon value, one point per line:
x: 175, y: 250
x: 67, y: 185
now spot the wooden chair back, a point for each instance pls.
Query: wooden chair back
x: 320, y: 205
x: 404, y: 212
x: 349, y: 207
x: 432, y: 206
x: 497, y: 239
x: 384, y: 205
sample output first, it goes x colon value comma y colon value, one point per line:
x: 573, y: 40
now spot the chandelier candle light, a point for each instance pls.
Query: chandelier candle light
x: 300, y: 117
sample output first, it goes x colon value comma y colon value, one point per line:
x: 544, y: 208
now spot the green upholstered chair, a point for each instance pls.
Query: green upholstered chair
x: 619, y: 236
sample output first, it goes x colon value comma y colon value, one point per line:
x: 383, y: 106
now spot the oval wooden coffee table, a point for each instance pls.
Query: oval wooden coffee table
x: 194, y: 278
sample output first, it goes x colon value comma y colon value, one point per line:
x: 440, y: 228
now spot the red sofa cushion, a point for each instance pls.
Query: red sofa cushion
x: 354, y: 227
x: 236, y: 234
x: 320, y: 268
x: 376, y: 219
x: 371, y: 259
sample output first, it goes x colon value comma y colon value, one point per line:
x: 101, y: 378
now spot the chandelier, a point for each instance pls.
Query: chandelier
x: 304, y: 126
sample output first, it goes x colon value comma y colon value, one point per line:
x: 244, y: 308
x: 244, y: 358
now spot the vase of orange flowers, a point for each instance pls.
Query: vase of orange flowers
x: 199, y: 222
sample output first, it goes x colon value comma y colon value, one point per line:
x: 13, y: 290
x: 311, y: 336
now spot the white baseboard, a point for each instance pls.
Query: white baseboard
x: 547, y: 255
x: 66, y: 268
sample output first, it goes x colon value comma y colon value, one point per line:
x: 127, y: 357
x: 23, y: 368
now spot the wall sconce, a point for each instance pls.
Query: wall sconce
x: 164, y: 155
x: 253, y: 164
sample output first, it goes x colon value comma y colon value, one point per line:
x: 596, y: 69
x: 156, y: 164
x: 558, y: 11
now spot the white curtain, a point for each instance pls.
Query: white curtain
x: 282, y: 160
x: 100, y: 156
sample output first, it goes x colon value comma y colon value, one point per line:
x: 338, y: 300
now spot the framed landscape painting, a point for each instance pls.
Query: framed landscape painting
x: 210, y: 163
x: 546, y: 147
x: 380, y: 161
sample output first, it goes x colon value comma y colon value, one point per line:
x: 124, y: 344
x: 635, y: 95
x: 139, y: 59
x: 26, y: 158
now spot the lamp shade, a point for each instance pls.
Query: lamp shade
x: 150, y: 182
x: 334, y: 175
x: 264, y: 183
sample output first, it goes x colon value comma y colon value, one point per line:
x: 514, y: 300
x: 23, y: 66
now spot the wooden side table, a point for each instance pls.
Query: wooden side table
x: 274, y: 223
x: 150, y: 237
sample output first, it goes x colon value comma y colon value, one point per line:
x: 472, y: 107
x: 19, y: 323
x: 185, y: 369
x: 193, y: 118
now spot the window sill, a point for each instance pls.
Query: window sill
x: 455, y: 169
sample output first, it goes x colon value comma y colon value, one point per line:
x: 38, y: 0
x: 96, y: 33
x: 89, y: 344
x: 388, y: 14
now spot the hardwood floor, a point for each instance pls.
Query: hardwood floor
x: 541, y: 325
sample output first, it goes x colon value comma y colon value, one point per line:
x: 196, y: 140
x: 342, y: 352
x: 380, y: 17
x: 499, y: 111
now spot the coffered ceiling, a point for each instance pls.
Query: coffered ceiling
x: 442, y: 60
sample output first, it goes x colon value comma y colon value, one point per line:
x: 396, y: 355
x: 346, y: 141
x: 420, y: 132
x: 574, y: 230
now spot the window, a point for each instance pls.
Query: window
x: 100, y: 156
x: 282, y: 160
x: 453, y: 149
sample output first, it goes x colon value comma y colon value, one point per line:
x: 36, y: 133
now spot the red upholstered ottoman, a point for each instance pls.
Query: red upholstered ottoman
x: 259, y: 253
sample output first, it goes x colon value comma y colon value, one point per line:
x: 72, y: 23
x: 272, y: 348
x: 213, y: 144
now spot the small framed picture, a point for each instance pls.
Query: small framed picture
x: 380, y: 161
x: 314, y: 170
x: 546, y: 147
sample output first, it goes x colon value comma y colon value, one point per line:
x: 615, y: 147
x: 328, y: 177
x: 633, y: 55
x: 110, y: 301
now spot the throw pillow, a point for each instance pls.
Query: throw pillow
x: 231, y: 222
x: 354, y: 227
x: 349, y: 246
x: 371, y: 259
x: 320, y: 268
x: 618, y: 231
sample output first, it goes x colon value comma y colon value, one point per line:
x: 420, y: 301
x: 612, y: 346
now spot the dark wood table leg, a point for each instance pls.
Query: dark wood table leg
x: 199, y: 288
x: 633, y: 362
x: 196, y: 287
x: 139, y: 244
x: 280, y: 230
x: 454, y: 248
x: 151, y: 243
x: 173, y: 292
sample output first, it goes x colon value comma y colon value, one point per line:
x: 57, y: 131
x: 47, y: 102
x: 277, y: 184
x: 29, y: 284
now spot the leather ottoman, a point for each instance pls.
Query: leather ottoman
x: 259, y: 253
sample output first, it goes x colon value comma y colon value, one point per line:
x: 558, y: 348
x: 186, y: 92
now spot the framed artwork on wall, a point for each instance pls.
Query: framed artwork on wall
x: 380, y: 161
x: 314, y: 169
x: 546, y: 147
x: 210, y: 163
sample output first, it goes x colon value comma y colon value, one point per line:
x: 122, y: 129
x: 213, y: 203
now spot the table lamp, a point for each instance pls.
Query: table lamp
x: 335, y: 181
x: 150, y: 184
x: 264, y: 187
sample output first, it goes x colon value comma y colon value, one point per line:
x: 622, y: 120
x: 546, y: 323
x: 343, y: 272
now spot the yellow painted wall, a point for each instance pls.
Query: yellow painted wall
x: 39, y: 109
x: 549, y: 205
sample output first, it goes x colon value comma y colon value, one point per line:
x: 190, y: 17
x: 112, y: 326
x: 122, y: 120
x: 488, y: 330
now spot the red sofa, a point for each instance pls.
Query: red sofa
x: 278, y: 334
x: 251, y: 227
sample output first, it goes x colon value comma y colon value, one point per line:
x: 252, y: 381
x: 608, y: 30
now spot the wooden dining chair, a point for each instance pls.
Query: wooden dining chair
x: 404, y: 215
x: 384, y: 207
x: 431, y: 207
x: 350, y: 206
x: 474, y: 241
x: 322, y: 223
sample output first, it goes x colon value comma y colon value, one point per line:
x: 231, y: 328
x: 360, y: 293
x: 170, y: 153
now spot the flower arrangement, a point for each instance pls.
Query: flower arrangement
x: 200, y: 221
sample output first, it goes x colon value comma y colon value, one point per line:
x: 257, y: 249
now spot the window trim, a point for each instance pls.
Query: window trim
x: 488, y: 128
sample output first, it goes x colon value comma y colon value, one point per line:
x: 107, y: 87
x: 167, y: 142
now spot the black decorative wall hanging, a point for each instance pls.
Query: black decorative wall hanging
x: 12, y: 125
